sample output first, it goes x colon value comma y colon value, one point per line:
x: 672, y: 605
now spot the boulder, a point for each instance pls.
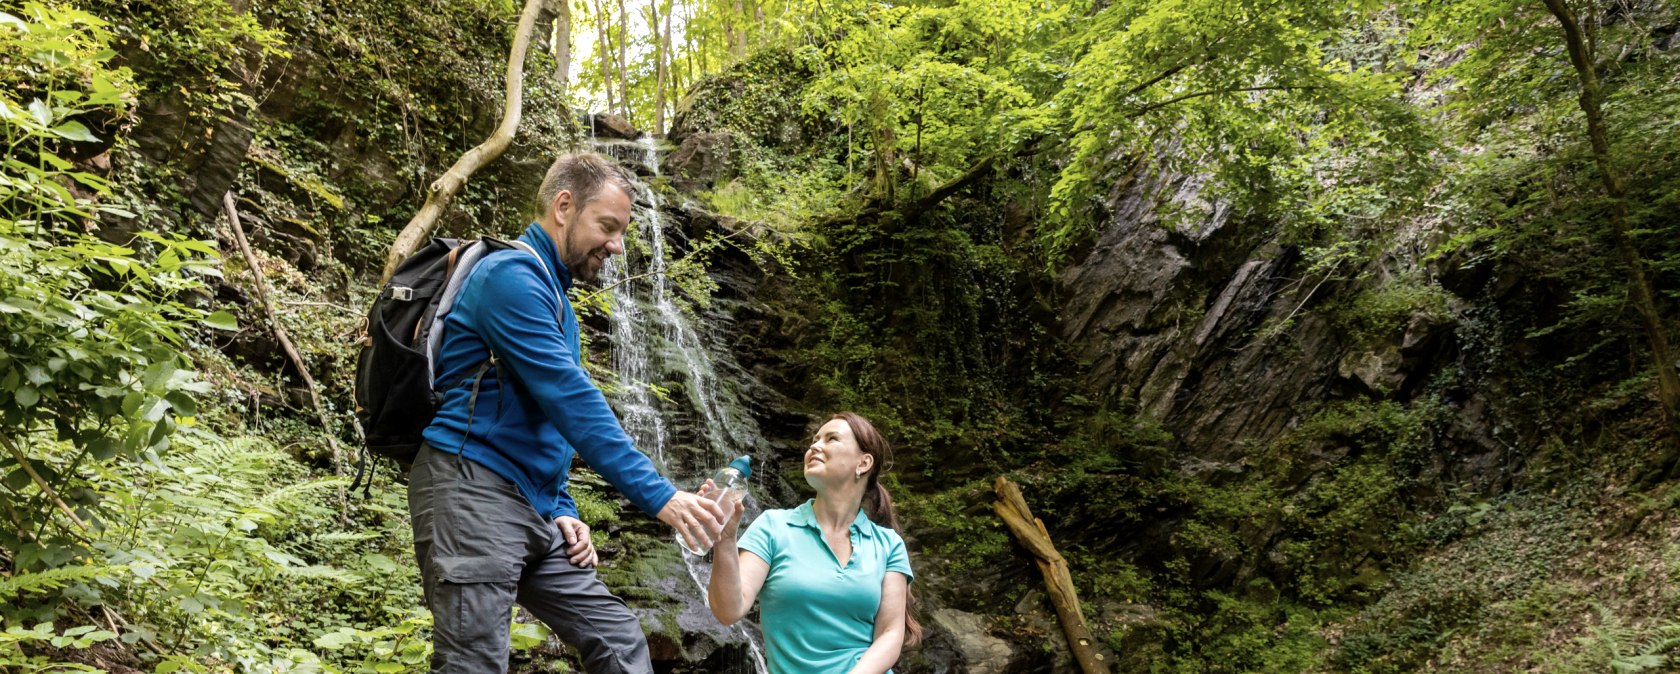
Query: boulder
x: 703, y: 160
x: 1378, y: 370
x: 610, y: 125
x: 980, y: 651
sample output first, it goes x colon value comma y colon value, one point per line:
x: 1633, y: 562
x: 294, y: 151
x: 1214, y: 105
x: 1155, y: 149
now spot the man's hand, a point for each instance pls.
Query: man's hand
x: 578, y: 544
x: 733, y: 507
x: 698, y: 519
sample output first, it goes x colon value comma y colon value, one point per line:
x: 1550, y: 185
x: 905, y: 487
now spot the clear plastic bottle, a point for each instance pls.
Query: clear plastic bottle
x: 730, y: 484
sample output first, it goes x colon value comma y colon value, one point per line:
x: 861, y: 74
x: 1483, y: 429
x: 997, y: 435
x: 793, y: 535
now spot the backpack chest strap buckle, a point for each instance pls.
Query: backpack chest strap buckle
x: 401, y: 293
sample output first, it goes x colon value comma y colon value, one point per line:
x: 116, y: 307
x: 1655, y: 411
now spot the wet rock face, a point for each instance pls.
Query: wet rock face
x: 1161, y: 308
x: 1231, y: 342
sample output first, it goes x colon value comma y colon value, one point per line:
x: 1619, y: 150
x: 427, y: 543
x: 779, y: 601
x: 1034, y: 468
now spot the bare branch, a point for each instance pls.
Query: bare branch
x: 47, y: 489
x: 280, y: 334
x: 444, y: 189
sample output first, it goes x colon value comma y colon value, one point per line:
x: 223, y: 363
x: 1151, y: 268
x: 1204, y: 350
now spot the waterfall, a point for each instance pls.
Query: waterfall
x: 657, y: 338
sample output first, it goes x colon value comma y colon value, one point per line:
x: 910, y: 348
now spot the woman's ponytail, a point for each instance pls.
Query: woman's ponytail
x: 878, y: 505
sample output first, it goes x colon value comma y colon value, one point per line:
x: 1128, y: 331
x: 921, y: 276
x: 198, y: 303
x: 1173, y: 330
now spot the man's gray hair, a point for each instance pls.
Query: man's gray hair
x: 583, y: 174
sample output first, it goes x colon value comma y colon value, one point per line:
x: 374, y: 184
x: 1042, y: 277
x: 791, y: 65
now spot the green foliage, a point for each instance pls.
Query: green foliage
x: 13, y: 640
x: 395, y: 648
x: 783, y: 196
x: 1530, y: 200
x: 1524, y: 536
x: 1381, y: 314
x: 958, y: 524
x: 94, y: 330
x: 212, y: 567
x: 1629, y: 652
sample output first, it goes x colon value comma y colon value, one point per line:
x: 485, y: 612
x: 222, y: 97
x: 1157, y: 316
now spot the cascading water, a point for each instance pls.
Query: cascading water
x: 655, y: 340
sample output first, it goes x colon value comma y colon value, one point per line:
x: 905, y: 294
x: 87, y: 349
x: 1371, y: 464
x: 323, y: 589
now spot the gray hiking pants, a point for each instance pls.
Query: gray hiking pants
x: 482, y: 547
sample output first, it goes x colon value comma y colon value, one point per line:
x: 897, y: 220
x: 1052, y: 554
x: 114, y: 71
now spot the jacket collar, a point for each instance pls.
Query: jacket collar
x: 544, y: 245
x: 805, y: 516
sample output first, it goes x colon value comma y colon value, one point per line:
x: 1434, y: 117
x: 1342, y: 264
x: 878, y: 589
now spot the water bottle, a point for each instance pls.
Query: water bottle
x: 730, y: 484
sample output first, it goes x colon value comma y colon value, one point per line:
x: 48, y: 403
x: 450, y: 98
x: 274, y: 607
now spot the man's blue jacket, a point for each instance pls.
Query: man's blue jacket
x: 537, y: 406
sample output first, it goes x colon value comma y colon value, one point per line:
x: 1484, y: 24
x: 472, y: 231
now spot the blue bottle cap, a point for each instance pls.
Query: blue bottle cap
x: 743, y: 465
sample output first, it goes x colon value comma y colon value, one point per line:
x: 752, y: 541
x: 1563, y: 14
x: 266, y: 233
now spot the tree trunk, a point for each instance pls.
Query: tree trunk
x: 738, y: 44
x: 1668, y: 380
x: 661, y: 70
x: 1035, y: 538
x: 605, y: 40
x: 562, y: 45
x: 444, y: 189
x: 623, y: 61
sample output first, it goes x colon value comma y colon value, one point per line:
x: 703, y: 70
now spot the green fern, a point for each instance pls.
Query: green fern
x: 53, y: 579
x: 318, y: 572
x: 348, y: 536
x: 1628, y: 653
x: 283, y: 497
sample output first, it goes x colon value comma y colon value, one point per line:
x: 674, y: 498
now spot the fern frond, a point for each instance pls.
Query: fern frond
x: 284, y: 496
x: 330, y: 574
x: 347, y: 536
x: 1667, y: 640
x: 1612, y: 632
x: 53, y: 579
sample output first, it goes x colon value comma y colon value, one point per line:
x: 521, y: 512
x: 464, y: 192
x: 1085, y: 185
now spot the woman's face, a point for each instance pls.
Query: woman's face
x: 834, y: 456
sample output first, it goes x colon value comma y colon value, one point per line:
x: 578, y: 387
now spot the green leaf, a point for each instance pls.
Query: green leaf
x: 157, y: 376
x: 27, y: 396
x: 41, y: 111
x: 74, y: 131
x: 104, y: 448
x: 154, y: 410
x: 131, y: 402
x: 57, y: 162
x: 222, y: 320
x: 334, y: 640
x: 183, y: 403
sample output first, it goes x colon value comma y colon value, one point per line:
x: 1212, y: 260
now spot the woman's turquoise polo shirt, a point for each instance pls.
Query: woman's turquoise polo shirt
x: 817, y: 616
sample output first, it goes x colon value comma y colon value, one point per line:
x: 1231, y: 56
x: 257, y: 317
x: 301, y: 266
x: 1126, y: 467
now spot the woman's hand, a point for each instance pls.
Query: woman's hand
x: 736, y: 508
x: 578, y: 543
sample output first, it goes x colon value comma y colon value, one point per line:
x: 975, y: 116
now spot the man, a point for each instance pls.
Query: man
x: 493, y: 524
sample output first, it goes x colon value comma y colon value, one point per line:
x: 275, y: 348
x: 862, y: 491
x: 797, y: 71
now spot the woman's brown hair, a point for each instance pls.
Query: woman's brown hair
x: 877, y: 503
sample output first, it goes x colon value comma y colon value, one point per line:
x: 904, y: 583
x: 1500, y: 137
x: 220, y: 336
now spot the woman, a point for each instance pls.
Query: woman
x: 835, y: 583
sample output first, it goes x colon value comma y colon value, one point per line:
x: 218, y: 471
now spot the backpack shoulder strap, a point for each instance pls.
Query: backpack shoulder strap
x: 464, y: 260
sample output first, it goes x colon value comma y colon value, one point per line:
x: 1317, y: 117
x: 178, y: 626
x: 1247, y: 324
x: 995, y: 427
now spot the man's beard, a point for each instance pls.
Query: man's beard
x: 585, y: 268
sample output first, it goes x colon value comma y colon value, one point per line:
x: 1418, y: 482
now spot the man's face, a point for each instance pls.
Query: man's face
x: 588, y: 236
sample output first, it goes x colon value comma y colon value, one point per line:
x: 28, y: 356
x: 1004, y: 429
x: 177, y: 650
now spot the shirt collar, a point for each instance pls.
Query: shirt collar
x: 806, y: 516
x: 544, y: 245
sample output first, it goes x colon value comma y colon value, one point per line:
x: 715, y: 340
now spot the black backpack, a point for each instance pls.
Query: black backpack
x: 395, y: 396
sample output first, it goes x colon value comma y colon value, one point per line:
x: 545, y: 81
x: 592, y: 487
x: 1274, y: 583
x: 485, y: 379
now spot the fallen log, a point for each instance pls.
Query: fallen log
x: 1030, y: 531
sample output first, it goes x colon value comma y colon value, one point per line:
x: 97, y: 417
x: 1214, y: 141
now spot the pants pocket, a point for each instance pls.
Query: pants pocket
x: 476, y: 568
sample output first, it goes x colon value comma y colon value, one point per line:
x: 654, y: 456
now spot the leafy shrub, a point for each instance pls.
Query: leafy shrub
x: 93, y: 330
